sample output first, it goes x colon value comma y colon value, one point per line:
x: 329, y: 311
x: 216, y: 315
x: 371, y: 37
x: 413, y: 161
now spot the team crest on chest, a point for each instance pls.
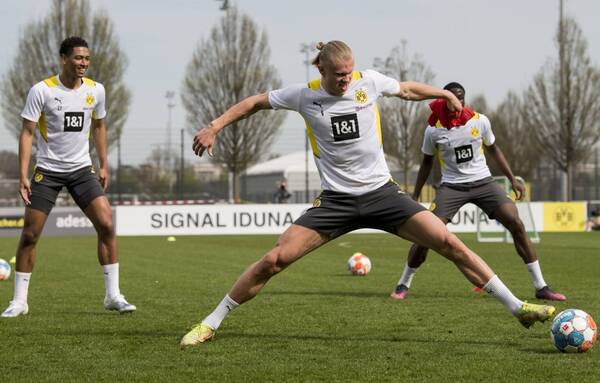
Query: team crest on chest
x: 474, y: 132
x: 360, y: 96
x: 90, y: 99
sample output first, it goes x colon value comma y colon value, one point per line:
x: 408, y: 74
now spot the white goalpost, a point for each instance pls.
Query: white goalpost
x: 525, y: 212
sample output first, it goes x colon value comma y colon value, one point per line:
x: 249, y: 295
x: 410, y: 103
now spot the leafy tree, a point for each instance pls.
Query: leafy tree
x: 231, y: 64
x: 37, y: 58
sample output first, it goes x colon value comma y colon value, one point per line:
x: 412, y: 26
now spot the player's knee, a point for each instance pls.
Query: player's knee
x: 515, y: 225
x: 106, y: 228
x: 270, y: 264
x: 451, y: 247
x: 29, y: 237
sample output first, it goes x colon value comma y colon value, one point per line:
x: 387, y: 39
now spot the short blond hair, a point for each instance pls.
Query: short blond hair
x: 332, y: 51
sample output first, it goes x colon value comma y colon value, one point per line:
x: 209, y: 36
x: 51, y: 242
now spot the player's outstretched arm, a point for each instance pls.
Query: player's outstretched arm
x: 416, y: 91
x: 101, y: 143
x: 204, y: 139
x: 498, y: 156
x: 25, y: 144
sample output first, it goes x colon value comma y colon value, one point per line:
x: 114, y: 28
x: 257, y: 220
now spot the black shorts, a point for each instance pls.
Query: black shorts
x: 82, y: 184
x: 336, y: 213
x: 486, y: 194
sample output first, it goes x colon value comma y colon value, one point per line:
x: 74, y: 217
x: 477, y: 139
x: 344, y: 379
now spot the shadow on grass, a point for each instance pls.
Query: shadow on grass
x: 545, y: 351
x: 104, y: 333
x: 390, y: 339
x: 102, y: 313
x: 354, y: 294
x: 358, y: 294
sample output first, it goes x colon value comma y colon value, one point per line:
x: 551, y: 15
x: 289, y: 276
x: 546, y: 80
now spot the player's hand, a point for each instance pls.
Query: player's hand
x: 103, y: 177
x: 519, y: 189
x: 25, y: 191
x: 203, y: 140
x: 453, y: 103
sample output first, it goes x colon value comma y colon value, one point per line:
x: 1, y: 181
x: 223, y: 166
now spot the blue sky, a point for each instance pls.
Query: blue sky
x: 489, y: 46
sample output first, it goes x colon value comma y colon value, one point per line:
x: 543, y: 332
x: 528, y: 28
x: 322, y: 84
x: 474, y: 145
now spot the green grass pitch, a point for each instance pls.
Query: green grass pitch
x: 313, y: 322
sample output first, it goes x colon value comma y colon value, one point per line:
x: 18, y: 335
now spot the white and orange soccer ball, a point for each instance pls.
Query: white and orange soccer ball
x: 4, y: 270
x: 573, y: 330
x: 359, y: 264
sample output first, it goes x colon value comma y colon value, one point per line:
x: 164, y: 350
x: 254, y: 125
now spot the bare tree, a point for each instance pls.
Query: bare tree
x: 37, y: 58
x: 403, y: 123
x: 563, y: 103
x: 231, y: 64
x: 515, y: 137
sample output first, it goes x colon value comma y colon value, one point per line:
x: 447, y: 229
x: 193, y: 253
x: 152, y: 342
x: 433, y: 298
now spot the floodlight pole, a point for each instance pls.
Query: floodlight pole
x: 565, y: 193
x: 597, y: 194
x: 170, y: 95
x: 307, y: 49
x: 181, y: 168
x: 119, y: 170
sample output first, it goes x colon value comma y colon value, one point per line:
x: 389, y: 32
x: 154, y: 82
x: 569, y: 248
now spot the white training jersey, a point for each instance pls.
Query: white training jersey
x: 344, y: 131
x: 64, y: 117
x: 460, y: 149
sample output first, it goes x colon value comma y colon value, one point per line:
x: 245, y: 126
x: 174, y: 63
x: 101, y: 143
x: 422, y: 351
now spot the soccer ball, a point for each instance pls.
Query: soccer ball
x: 4, y: 270
x: 573, y: 331
x: 359, y: 264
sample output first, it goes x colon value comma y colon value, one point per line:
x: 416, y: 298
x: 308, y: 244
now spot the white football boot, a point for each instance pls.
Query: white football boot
x: 119, y: 304
x: 14, y: 309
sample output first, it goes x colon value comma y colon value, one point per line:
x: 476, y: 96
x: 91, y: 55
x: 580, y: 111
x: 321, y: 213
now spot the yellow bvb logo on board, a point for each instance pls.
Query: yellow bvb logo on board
x: 89, y: 99
x: 564, y: 216
x: 360, y: 96
x: 474, y: 132
x: 38, y: 177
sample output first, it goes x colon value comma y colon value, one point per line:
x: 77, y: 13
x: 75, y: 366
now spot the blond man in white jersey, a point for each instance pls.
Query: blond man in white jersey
x: 66, y: 108
x: 458, y: 142
x: 342, y: 123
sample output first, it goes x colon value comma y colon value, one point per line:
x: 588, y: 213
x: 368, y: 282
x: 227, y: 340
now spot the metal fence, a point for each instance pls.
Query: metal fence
x: 546, y: 185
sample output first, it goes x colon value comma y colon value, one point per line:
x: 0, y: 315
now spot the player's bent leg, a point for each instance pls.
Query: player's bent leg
x: 293, y: 244
x: 100, y: 213
x: 507, y: 214
x: 424, y: 228
x: 416, y: 257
